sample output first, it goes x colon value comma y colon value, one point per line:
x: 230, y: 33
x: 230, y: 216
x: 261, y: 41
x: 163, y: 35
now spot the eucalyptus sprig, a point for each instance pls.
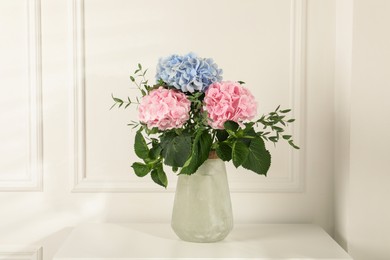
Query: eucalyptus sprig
x: 141, y: 83
x: 273, y: 123
x: 121, y: 102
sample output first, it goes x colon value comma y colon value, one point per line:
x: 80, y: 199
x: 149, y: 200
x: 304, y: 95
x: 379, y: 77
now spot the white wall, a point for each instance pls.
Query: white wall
x: 362, y: 168
x: 288, y: 52
x: 369, y: 213
x: 342, y: 99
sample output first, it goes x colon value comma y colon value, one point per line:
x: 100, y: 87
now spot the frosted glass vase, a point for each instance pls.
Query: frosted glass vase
x: 202, y: 210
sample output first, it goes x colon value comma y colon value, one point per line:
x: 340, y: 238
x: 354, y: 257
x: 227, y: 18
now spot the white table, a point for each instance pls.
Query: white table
x: 249, y: 241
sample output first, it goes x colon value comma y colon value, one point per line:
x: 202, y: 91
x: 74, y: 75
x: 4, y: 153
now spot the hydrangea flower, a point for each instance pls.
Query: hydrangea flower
x: 188, y: 73
x: 164, y: 109
x: 228, y: 101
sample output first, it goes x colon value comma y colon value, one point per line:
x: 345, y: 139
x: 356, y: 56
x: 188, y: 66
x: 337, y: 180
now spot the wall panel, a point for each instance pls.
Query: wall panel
x: 21, y: 103
x: 107, y: 42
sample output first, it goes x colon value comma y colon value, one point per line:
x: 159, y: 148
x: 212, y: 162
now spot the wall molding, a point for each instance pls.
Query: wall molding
x: 77, y: 98
x: 34, y: 177
x: 297, y: 88
x: 294, y: 182
x: 21, y: 253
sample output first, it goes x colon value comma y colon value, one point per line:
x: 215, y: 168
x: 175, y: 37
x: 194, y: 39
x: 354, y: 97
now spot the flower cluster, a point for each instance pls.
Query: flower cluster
x: 164, y: 109
x: 190, y: 112
x: 188, y: 73
x: 229, y: 101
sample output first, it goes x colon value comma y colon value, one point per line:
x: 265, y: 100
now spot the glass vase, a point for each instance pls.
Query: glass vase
x: 202, y: 210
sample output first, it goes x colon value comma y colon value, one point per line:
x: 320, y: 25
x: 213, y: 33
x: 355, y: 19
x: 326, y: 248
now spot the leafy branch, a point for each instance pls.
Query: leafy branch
x: 142, y: 83
x: 139, y: 80
x: 244, y: 147
x: 152, y: 159
x: 273, y: 123
x: 198, y: 117
x: 119, y: 102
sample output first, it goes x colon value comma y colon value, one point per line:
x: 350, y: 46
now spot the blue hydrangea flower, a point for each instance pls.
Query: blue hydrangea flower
x: 188, y: 73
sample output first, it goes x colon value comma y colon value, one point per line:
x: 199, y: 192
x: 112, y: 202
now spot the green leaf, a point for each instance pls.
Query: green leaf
x: 162, y: 176
x: 132, y: 78
x: 156, y: 178
x: 204, y: 145
x: 140, y: 147
x: 139, y: 66
x: 290, y: 120
x: 166, y: 138
x: 140, y: 169
x: 249, y: 125
x: 152, y: 131
x: 241, y: 82
x: 200, y: 152
x: 285, y: 111
x: 230, y: 125
x: 224, y: 151
x: 222, y: 135
x: 192, y: 164
x: 155, y: 152
x: 293, y: 145
x: 249, y: 131
x: 160, y: 82
x: 159, y: 176
x: 176, y: 149
x: 286, y: 137
x: 118, y: 100
x: 239, y: 153
x: 278, y: 129
x: 259, y: 158
x: 246, y: 141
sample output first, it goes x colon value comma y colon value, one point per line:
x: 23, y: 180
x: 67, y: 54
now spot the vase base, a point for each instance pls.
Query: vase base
x: 205, y: 237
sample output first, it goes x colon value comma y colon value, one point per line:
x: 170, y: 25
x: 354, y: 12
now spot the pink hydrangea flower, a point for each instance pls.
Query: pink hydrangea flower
x: 229, y: 101
x: 164, y: 108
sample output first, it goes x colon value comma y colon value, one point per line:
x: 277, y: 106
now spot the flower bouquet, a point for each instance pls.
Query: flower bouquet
x: 190, y: 114
x: 192, y: 121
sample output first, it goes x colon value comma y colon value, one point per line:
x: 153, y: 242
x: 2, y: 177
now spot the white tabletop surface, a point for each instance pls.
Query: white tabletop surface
x: 247, y: 241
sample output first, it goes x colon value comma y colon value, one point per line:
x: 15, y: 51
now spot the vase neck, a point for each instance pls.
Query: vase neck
x: 213, y: 155
x: 212, y: 167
